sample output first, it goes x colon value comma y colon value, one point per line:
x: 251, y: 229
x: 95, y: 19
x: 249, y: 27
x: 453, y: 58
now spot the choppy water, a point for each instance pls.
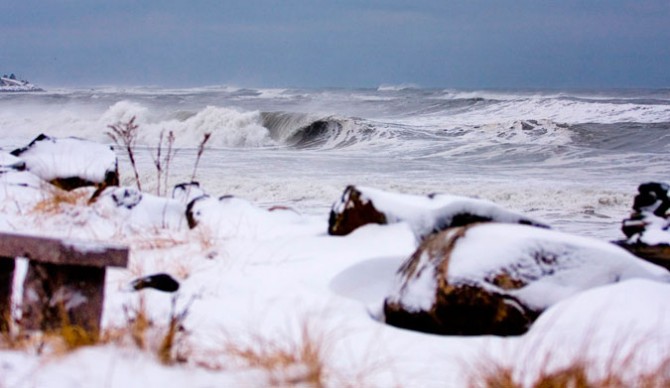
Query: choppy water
x: 572, y: 158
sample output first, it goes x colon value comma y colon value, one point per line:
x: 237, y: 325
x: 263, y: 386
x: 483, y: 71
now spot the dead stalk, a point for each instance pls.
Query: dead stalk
x: 125, y: 134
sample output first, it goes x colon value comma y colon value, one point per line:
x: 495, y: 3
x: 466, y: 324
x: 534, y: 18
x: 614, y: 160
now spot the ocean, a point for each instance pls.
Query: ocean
x: 571, y: 158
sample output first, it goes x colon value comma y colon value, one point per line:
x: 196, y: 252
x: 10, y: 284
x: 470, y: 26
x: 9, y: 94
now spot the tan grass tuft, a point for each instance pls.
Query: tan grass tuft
x: 308, y: 356
x: 575, y: 375
x: 138, y: 323
x: 56, y: 200
x: 298, y: 361
x: 167, y: 353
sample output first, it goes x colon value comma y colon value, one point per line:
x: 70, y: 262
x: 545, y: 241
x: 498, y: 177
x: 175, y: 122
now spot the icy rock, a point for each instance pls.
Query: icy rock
x: 141, y: 210
x: 494, y: 278
x: 10, y: 162
x: 359, y: 206
x: 229, y: 216
x: 187, y: 192
x: 647, y: 228
x: 70, y: 163
x: 215, y: 212
x: 127, y: 197
x: 196, y: 209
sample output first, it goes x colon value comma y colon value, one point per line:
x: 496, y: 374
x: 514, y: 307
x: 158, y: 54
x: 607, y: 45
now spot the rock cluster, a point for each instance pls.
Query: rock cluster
x: 482, y: 269
x: 647, y: 229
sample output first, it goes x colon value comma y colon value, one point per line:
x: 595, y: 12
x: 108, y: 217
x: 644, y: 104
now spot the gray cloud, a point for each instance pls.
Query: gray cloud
x: 323, y: 43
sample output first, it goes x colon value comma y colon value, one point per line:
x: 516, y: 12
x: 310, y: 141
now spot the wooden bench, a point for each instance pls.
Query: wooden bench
x: 65, y: 282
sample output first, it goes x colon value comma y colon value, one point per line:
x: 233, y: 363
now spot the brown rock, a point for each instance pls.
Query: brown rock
x: 355, y: 212
x: 458, y: 309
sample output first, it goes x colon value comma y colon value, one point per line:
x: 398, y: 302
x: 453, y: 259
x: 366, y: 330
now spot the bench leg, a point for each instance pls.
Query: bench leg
x: 6, y: 280
x: 55, y: 296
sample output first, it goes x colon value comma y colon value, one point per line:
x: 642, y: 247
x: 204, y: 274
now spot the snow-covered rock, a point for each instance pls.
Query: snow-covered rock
x: 137, y: 210
x: 648, y: 227
x: 187, y: 192
x: 70, y: 162
x: 230, y: 216
x: 425, y: 214
x: 494, y: 278
x: 9, y: 161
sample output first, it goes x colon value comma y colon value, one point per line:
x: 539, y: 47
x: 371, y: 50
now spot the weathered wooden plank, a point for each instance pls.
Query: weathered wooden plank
x: 6, y: 280
x: 56, y: 295
x: 63, y: 251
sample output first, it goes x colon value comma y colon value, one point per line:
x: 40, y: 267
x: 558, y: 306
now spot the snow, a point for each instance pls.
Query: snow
x: 624, y: 325
x: 655, y: 231
x: 85, y: 246
x: 250, y: 275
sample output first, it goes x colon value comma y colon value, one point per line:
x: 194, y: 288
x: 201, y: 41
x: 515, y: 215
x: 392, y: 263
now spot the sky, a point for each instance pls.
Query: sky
x: 347, y: 43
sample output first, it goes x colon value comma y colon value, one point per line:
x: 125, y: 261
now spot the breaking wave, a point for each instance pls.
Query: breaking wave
x: 310, y: 131
x: 236, y: 128
x: 394, y: 120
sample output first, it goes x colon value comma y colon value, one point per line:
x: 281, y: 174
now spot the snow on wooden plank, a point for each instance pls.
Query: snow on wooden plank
x: 63, y: 251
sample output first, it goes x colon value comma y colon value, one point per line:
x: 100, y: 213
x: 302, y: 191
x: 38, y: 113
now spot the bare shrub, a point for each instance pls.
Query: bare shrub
x: 125, y: 135
x: 201, y: 150
x: 162, y: 163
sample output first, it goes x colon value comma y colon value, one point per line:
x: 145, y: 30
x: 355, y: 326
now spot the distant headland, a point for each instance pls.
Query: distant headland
x: 9, y: 83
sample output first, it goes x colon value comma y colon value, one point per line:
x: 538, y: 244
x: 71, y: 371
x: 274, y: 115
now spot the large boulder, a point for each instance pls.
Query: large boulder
x: 647, y: 229
x: 70, y: 163
x: 359, y: 206
x: 493, y: 278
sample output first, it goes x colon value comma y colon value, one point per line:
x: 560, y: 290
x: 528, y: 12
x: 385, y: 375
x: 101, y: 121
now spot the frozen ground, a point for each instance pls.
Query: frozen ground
x: 276, y: 282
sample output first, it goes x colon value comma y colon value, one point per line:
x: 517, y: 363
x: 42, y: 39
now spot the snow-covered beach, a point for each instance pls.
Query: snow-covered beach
x: 275, y: 280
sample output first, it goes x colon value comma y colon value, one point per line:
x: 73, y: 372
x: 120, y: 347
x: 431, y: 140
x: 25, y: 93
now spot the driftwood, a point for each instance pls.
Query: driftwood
x: 64, y: 285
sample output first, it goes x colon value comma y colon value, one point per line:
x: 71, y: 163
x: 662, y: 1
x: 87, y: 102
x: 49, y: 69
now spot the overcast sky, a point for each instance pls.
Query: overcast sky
x: 315, y: 43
